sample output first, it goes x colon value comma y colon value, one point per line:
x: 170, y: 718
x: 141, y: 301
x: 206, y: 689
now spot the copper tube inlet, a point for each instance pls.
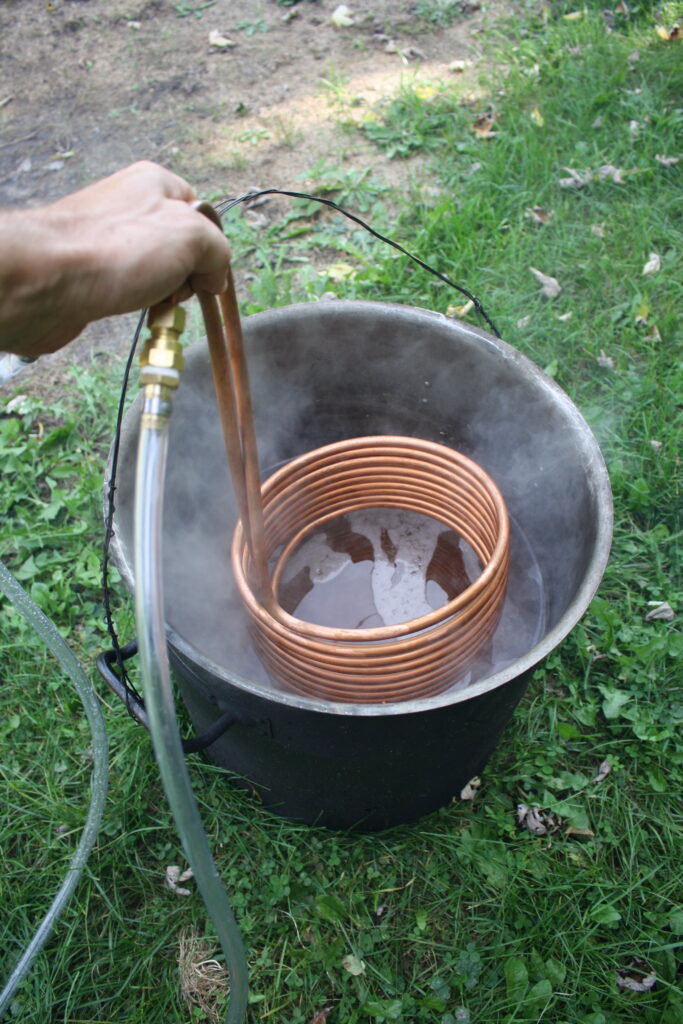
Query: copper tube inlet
x: 412, y: 659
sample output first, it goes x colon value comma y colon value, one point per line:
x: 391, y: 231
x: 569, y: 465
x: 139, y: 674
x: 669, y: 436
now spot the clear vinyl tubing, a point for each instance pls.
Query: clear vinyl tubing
x: 158, y: 694
x: 99, y: 778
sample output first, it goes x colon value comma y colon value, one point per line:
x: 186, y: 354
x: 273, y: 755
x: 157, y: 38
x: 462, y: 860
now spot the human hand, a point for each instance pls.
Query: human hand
x: 119, y: 245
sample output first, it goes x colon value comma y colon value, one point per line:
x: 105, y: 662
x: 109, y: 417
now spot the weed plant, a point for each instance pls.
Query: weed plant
x: 439, y: 13
x: 463, y: 916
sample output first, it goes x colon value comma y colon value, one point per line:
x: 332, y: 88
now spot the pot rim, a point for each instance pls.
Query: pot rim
x: 561, y: 629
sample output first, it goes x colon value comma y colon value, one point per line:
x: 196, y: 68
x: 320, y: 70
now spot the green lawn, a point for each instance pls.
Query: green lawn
x: 464, y: 916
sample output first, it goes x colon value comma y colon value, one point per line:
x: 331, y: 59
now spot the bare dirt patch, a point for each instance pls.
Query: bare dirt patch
x: 87, y: 86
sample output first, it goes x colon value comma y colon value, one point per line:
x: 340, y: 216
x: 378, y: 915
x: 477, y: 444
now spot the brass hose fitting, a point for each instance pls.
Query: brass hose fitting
x: 161, y: 363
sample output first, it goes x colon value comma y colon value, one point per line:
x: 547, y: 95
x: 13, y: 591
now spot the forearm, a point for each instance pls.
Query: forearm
x: 119, y: 245
x: 37, y: 264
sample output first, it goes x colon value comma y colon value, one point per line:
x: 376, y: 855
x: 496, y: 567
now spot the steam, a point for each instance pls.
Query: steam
x: 330, y: 370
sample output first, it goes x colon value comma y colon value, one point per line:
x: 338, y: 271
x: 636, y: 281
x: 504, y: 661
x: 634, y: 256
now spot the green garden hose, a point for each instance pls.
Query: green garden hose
x: 47, y: 631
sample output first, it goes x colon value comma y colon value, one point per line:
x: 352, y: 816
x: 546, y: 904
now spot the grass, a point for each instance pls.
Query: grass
x: 463, y: 916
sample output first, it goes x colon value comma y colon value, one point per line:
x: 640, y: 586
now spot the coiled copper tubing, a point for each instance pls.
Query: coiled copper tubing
x: 408, y: 660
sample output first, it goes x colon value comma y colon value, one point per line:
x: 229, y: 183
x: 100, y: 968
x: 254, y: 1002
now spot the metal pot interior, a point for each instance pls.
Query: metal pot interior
x: 325, y: 371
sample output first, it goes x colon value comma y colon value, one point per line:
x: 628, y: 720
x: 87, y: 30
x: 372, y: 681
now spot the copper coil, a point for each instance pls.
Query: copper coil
x: 408, y: 660
x: 404, y: 661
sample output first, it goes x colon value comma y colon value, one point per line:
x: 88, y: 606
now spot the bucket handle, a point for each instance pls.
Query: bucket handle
x: 136, y: 705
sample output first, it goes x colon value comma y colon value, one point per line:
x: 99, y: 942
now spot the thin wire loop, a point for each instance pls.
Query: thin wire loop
x: 228, y: 204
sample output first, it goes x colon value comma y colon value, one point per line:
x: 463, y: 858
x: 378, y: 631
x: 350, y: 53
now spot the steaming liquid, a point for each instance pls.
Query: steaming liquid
x: 523, y: 620
x: 376, y: 567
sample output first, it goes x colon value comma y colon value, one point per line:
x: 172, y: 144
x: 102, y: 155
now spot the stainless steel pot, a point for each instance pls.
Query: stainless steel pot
x: 325, y: 371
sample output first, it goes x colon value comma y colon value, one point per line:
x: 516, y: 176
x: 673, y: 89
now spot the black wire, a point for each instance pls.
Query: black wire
x: 222, y: 207
x: 109, y: 520
x: 227, y: 204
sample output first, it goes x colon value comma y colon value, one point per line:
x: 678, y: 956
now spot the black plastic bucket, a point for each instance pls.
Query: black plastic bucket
x: 325, y: 371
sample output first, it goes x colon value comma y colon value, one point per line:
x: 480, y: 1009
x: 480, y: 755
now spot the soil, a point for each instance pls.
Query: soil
x: 88, y: 86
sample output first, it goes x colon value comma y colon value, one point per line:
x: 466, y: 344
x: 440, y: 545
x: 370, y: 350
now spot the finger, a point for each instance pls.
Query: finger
x: 185, y: 291
x: 207, y: 210
x: 214, y: 283
x: 154, y: 179
x: 47, y: 343
x: 174, y: 187
x: 212, y: 262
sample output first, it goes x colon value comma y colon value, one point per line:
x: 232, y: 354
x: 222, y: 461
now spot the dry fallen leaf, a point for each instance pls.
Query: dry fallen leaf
x: 653, y: 264
x: 666, y: 161
x: 538, y: 215
x: 380, y: 912
x: 20, y: 404
x: 173, y: 877
x: 576, y: 179
x: 218, y: 41
x: 340, y: 271
x: 536, y: 821
x: 469, y: 791
x: 582, y: 833
x: 609, y: 171
x: 669, y: 34
x: 660, y: 610
x: 483, y: 126
x: 342, y: 17
x: 637, y: 977
x: 603, y: 771
x: 353, y: 965
x: 460, y: 311
x: 321, y: 1016
x: 550, y: 286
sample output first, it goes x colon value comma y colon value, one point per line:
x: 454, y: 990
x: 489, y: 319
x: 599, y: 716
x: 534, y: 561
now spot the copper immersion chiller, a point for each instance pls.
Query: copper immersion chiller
x: 412, y: 659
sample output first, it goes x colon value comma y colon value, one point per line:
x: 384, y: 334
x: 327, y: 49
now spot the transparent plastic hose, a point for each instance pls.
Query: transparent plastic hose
x: 156, y: 679
x: 99, y: 778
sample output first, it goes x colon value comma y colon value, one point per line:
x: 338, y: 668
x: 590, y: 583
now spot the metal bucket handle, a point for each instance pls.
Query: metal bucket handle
x: 136, y: 705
